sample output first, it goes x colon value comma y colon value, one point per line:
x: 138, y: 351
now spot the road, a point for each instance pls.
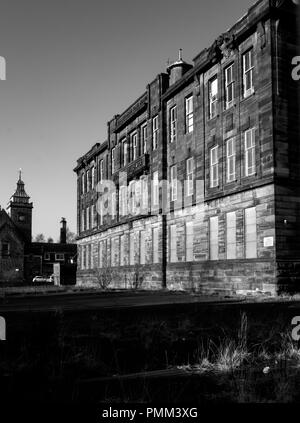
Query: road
x: 100, y: 300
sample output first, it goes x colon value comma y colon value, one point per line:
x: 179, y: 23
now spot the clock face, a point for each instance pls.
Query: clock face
x: 21, y: 218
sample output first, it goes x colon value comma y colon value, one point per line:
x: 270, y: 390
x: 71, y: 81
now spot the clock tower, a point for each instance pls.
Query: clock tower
x: 21, y: 210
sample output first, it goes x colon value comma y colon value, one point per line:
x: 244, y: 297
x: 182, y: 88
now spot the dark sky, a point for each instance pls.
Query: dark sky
x: 72, y: 65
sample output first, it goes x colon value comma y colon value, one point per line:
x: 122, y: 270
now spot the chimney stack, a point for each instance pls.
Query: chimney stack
x: 63, y: 231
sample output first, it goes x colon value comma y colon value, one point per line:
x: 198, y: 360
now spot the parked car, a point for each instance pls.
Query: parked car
x: 43, y: 279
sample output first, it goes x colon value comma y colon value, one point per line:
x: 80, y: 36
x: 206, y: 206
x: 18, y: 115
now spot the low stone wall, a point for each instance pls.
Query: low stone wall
x: 227, y: 277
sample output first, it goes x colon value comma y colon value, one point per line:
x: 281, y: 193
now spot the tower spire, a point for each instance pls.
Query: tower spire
x: 180, y: 55
x: 20, y: 195
x: 21, y: 209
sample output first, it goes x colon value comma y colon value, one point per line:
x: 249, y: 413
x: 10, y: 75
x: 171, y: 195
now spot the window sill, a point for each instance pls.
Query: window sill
x: 246, y: 96
x: 211, y: 119
x: 230, y: 106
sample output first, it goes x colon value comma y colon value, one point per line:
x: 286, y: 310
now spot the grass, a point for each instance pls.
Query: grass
x: 228, y: 357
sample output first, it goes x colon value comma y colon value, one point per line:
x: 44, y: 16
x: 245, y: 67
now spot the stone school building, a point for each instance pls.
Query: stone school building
x: 222, y: 133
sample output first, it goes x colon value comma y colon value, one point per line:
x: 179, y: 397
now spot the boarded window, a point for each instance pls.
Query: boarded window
x: 173, y: 244
x: 122, y: 251
x: 131, y: 249
x: 250, y: 233
x: 214, y: 238
x: 100, y: 254
x: 142, y: 248
x: 155, y: 245
x: 231, y: 235
x: 189, y: 241
x: 173, y: 178
x: 83, y: 257
x: 92, y: 256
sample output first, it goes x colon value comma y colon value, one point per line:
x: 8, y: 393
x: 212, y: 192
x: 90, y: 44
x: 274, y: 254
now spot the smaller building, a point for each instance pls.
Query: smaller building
x: 42, y: 258
x: 20, y: 258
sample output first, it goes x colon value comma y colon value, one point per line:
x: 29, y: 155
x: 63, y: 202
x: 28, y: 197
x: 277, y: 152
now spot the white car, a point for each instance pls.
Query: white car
x: 43, y: 279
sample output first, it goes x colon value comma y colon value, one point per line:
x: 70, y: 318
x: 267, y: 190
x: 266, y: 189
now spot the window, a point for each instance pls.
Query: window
x: 93, y: 177
x: 122, y: 250
x: 189, y: 115
x: 113, y: 205
x: 99, y: 212
x: 173, y: 124
x: 214, y: 167
x: 155, y: 189
x: 142, y: 248
x: 83, y: 257
x: 88, y: 180
x: 250, y: 166
x: 231, y: 155
x: 92, y: 223
x: 144, y: 136
x: 248, y: 68
x: 131, y: 249
x: 213, y: 97
x: 250, y: 233
x: 155, y: 235
x: 123, y: 201
x: 87, y: 215
x: 101, y: 170
x: 189, y: 241
x: 47, y: 256
x: 134, y: 146
x: 138, y: 196
x: 131, y: 197
x: 59, y: 257
x: 190, y: 176
x: 173, y: 178
x: 124, y: 152
x: 5, y: 249
x: 231, y: 235
x: 88, y: 255
x: 115, y: 257
x: 214, y: 238
x: 100, y: 254
x: 92, y: 256
x: 144, y: 188
x: 173, y: 244
x: 113, y: 160
x: 229, y: 87
x: 155, y: 132
x: 83, y: 183
x: 82, y: 220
